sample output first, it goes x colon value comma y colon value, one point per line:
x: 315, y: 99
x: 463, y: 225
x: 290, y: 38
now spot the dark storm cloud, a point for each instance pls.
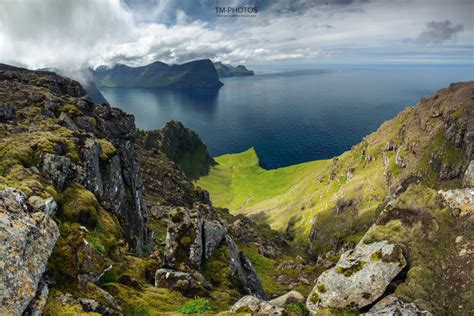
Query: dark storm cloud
x: 437, y: 32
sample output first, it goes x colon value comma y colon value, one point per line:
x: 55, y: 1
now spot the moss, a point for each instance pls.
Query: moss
x: 56, y: 308
x: 315, y: 298
x: 70, y: 109
x: 197, y: 306
x: 296, y: 309
x: 78, y: 205
x: 321, y: 288
x: 356, y: 267
x: 107, y: 150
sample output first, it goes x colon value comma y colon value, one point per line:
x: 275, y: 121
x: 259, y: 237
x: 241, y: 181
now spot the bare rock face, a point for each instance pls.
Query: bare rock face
x: 392, y: 306
x: 359, y: 278
x: 242, y: 268
x: 288, y: 298
x: 256, y: 306
x: 60, y: 169
x: 190, y: 284
x: 28, y: 237
x: 214, y: 233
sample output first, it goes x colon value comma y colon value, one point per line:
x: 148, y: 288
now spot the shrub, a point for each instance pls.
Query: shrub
x: 196, y: 306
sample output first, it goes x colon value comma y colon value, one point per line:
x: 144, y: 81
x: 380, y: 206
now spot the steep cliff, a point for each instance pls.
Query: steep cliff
x: 197, y: 74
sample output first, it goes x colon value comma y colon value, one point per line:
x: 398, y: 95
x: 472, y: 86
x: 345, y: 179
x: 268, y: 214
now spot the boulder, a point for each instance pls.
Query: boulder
x: 7, y: 112
x: 28, y: 237
x: 468, y: 180
x: 67, y: 122
x: 48, y: 206
x: 256, y: 306
x: 392, y: 306
x: 91, y: 264
x: 60, y: 169
x: 359, y: 278
x: 288, y: 298
x: 214, y: 233
x: 189, y: 284
x: 460, y: 200
x: 242, y: 268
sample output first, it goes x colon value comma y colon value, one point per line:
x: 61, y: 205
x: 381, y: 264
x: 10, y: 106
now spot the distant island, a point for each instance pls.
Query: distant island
x: 197, y: 74
x: 226, y: 70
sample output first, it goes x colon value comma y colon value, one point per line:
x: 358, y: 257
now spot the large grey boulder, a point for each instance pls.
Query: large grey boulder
x: 460, y: 200
x: 27, y: 239
x: 214, y: 233
x: 288, y: 298
x: 392, y: 306
x: 256, y: 306
x: 359, y: 278
x: 189, y: 284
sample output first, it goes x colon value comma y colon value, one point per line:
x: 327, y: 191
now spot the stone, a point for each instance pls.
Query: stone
x: 460, y: 200
x: 86, y: 123
x: 468, y: 180
x: 392, y: 306
x: 214, y: 233
x: 91, y: 263
x: 27, y: 240
x: 48, y: 206
x: 7, y: 112
x: 60, y: 169
x: 288, y: 298
x: 189, y: 284
x: 92, y: 306
x: 38, y: 303
x: 256, y: 306
x: 67, y: 122
x: 242, y: 268
x: 129, y: 281
x: 91, y: 177
x: 359, y: 278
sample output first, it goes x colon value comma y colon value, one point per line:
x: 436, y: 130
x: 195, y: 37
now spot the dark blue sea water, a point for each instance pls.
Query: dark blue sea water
x: 291, y: 115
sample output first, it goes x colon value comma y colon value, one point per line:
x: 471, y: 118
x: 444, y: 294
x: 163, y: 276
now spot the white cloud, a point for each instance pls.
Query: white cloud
x: 74, y: 34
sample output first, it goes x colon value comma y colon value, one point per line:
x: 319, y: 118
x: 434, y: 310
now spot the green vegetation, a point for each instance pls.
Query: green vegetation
x: 79, y: 206
x: 196, y: 306
x: 356, y: 267
x: 107, y: 150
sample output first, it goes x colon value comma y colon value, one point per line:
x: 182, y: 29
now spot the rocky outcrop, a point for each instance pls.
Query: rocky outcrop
x: 190, y: 284
x: 60, y: 169
x: 359, y: 278
x: 461, y: 201
x: 242, y: 268
x: 256, y: 306
x: 468, y: 180
x: 392, y: 306
x: 28, y: 237
x: 182, y: 146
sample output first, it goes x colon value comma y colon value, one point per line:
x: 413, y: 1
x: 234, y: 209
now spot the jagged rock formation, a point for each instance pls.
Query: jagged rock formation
x: 28, y: 237
x: 182, y: 146
x: 230, y: 71
x: 197, y: 74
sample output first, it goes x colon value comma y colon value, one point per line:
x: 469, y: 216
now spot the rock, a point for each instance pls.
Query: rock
x: 288, y: 298
x: 189, y: 284
x: 214, y: 233
x: 91, y: 263
x: 113, y: 197
x: 27, y: 241
x: 60, y: 169
x: 392, y: 306
x: 129, y: 281
x: 242, y: 268
x: 87, y: 123
x: 460, y: 200
x: 7, y: 112
x: 38, y: 303
x: 91, y: 177
x: 359, y: 278
x: 184, y: 247
x: 267, y: 250
x: 48, y: 206
x: 92, y: 306
x: 468, y: 180
x: 256, y: 306
x: 67, y: 122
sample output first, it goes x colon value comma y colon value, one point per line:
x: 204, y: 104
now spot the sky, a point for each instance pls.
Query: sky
x: 88, y: 33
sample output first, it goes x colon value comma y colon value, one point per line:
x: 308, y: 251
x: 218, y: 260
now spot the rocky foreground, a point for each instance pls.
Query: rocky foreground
x: 97, y: 217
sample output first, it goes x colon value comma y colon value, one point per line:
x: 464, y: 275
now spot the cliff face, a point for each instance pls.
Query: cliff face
x: 230, y: 71
x: 82, y: 230
x: 197, y: 74
x: 182, y: 146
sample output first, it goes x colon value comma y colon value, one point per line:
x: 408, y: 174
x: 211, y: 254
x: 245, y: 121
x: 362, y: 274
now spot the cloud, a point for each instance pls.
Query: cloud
x: 71, y: 34
x: 437, y: 32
